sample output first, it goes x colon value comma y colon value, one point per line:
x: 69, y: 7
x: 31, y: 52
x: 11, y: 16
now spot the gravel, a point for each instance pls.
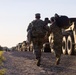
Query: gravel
x: 23, y: 63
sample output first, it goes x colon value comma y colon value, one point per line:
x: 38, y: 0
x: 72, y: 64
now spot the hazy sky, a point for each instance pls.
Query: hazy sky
x: 15, y: 15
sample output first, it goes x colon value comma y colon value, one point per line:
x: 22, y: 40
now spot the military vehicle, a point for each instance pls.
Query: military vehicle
x: 69, y: 37
x: 19, y: 47
x: 24, y: 46
x: 30, y: 47
x: 46, y: 47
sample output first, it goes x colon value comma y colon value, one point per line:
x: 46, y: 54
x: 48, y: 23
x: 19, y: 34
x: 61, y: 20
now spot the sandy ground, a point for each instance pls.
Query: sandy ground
x: 23, y: 63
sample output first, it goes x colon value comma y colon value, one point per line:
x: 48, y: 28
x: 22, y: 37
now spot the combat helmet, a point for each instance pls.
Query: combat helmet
x: 37, y: 15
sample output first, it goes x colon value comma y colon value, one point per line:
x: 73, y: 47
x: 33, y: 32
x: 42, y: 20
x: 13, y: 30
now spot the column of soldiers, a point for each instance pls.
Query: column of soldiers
x: 39, y: 41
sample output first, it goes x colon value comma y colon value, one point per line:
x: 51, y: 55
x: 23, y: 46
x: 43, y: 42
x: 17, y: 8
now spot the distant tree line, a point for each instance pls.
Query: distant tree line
x: 1, y: 48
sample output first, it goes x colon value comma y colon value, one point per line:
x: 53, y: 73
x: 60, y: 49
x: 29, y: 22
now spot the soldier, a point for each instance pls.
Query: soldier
x: 36, y: 37
x: 29, y: 33
x: 46, y: 21
x: 46, y: 27
x: 57, y: 43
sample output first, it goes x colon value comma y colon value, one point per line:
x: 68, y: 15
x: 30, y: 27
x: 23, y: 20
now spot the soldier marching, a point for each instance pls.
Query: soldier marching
x: 38, y: 41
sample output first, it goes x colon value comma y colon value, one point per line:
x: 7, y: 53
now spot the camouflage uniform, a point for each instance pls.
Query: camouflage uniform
x: 37, y: 45
x: 57, y: 43
x: 29, y: 33
x: 46, y: 27
x: 37, y: 39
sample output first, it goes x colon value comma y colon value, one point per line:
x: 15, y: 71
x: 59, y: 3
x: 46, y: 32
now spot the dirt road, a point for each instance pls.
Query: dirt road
x: 23, y: 63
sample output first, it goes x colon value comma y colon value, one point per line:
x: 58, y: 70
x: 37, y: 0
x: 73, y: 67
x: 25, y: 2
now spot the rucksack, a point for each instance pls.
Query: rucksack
x: 63, y: 22
x: 38, y: 28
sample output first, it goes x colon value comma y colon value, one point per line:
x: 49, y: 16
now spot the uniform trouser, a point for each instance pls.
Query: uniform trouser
x: 58, y: 53
x: 37, y: 45
x: 37, y: 53
x: 58, y: 49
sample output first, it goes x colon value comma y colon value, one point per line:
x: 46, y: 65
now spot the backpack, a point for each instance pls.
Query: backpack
x: 38, y: 28
x: 63, y: 22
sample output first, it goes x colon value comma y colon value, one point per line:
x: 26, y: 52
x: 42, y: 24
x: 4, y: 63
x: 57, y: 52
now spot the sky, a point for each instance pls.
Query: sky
x: 15, y: 16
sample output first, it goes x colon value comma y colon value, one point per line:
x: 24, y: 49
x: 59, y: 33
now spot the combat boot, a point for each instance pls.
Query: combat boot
x: 38, y: 62
x: 57, y: 61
